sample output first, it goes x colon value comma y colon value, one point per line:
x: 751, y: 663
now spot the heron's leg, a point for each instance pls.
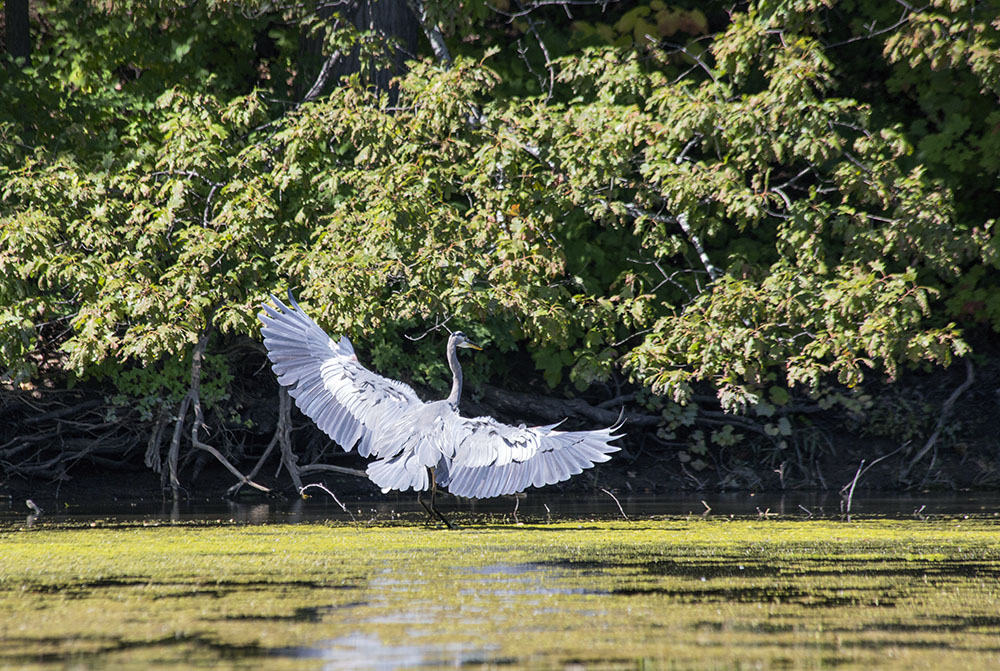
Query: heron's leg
x: 420, y: 500
x: 432, y: 509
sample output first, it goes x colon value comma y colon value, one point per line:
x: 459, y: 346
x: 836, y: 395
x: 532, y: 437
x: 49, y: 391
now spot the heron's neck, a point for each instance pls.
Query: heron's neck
x: 456, y: 374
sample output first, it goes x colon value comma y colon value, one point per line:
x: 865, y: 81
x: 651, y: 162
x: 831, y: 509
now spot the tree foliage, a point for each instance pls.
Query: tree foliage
x: 774, y: 202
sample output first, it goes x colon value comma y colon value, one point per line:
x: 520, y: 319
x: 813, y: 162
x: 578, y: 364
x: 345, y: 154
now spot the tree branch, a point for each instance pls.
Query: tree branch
x: 432, y: 32
x: 942, y: 418
x: 553, y: 409
x: 324, y: 75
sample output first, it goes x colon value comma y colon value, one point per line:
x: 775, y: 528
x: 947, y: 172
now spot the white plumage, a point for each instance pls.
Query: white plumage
x: 416, y: 443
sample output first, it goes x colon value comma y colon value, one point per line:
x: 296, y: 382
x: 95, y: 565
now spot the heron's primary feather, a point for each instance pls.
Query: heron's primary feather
x: 345, y: 399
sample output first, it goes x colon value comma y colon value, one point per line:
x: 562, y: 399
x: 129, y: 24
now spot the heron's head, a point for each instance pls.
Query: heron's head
x: 461, y: 340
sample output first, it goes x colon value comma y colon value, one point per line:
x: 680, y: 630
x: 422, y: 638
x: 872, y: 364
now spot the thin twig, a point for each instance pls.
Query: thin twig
x: 428, y: 331
x: 332, y: 496
x: 615, y: 498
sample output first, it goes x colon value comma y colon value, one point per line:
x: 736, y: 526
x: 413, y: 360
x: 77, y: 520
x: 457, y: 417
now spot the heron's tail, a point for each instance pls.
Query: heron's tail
x: 402, y: 472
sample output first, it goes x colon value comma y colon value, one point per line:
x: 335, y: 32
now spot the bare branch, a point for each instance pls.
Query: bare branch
x: 315, y: 468
x: 192, y: 398
x: 527, y: 8
x: 533, y: 29
x: 682, y: 221
x: 903, y: 18
x: 430, y: 330
x: 324, y: 75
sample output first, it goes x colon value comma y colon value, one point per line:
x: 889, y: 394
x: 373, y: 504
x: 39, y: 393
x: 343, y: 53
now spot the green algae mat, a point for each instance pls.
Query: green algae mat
x: 653, y: 594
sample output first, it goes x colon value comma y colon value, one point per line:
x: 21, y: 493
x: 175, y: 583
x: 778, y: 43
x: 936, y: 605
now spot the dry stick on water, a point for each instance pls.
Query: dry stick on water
x: 314, y: 468
x: 615, y: 498
x: 332, y: 496
x: 708, y: 509
x: 857, y: 476
x: 850, y: 494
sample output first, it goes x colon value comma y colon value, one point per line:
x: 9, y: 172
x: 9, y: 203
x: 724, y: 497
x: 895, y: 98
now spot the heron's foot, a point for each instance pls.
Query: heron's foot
x: 443, y: 518
x: 433, y: 512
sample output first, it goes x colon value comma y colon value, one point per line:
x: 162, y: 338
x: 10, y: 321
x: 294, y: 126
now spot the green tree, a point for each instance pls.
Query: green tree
x: 758, y: 211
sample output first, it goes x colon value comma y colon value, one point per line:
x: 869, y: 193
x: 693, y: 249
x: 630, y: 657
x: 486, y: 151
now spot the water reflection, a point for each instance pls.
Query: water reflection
x: 479, y: 586
x: 536, y: 507
x: 522, y: 578
x: 366, y: 652
x: 35, y: 513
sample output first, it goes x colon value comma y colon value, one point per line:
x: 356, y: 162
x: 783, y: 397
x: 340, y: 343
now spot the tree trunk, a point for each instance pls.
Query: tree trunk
x: 17, y: 37
x: 393, y: 19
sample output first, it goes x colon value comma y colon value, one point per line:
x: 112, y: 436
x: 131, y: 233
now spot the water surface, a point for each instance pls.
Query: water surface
x: 533, y: 507
x: 670, y: 592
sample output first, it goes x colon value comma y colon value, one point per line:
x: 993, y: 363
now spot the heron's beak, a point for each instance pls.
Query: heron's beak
x: 471, y: 345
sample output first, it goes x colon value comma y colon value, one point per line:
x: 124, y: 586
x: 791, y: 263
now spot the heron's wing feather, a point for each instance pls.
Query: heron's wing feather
x: 345, y: 399
x: 491, y: 458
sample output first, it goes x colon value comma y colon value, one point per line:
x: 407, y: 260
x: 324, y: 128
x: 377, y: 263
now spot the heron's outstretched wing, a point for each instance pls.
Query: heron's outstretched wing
x: 491, y: 459
x: 345, y: 399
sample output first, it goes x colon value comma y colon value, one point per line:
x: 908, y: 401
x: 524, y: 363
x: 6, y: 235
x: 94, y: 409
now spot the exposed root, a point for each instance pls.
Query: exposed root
x: 942, y: 419
x: 152, y: 459
x: 282, y: 436
x: 193, y: 400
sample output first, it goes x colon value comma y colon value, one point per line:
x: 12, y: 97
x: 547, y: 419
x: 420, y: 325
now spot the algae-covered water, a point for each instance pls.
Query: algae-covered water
x: 668, y: 593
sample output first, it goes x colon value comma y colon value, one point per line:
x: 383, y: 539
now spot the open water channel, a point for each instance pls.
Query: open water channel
x: 720, y: 582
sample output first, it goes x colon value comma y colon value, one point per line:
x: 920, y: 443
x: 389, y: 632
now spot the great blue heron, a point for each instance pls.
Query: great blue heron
x: 418, y: 445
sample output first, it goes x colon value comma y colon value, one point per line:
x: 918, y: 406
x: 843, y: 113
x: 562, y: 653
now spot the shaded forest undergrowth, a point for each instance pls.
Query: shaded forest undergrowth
x: 928, y: 430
